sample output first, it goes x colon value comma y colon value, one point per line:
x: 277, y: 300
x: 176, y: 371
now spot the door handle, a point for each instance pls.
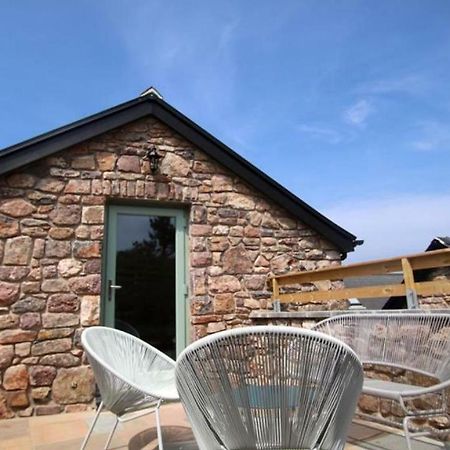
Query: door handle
x: 111, y: 288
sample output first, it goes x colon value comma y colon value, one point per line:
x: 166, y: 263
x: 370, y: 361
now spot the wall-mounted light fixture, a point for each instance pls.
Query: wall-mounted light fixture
x: 154, y: 158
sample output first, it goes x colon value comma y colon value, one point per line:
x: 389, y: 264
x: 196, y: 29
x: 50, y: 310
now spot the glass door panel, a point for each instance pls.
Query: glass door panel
x: 146, y: 275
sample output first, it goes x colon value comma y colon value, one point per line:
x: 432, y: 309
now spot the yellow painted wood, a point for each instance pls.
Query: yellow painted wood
x: 408, y: 275
x: 275, y: 289
x: 425, y: 288
x: 426, y: 260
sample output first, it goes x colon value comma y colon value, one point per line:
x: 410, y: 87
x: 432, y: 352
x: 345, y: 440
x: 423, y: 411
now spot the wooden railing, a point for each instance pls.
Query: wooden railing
x: 404, y: 264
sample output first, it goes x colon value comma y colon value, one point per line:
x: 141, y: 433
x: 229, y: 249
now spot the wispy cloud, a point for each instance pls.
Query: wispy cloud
x: 182, y: 44
x: 435, y: 136
x: 393, y: 226
x: 412, y: 84
x: 226, y: 34
x: 321, y: 133
x: 358, y: 113
x: 192, y: 55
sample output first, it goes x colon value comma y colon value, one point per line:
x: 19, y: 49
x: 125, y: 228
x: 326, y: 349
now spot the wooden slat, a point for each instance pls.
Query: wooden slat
x: 430, y: 260
x: 436, y: 287
x: 408, y: 275
x: 389, y: 290
x: 437, y: 258
x: 275, y: 289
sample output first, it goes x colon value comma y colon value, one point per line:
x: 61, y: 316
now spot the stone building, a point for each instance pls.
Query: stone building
x: 135, y: 218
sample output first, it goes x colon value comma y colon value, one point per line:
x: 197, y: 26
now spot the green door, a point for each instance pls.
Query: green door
x: 145, y: 275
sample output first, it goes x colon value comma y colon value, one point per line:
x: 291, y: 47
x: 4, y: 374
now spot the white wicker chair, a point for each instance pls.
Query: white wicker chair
x: 269, y: 387
x: 131, y: 376
x: 414, y: 341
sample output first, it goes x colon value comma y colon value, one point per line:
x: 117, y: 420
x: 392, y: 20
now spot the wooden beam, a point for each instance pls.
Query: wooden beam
x: 429, y: 260
x: 408, y: 275
x: 275, y: 289
x: 426, y: 260
x: 408, y: 280
x: 437, y: 287
x: 389, y: 290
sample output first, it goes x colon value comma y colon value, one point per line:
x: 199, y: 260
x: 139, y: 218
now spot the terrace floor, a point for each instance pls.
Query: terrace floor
x: 66, y: 432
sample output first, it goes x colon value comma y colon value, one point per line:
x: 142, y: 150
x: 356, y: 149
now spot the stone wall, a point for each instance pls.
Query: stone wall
x: 51, y: 237
x: 437, y: 301
x: 381, y: 409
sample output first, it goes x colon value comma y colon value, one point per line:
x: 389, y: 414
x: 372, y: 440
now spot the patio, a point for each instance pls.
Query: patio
x: 66, y: 432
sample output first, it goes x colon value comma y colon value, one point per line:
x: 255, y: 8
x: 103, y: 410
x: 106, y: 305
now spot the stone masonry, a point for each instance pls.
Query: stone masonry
x: 437, y: 301
x: 51, y: 236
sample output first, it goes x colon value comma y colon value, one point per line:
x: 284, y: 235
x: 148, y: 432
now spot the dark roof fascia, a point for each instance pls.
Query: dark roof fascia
x: 54, y: 141
x: 344, y: 240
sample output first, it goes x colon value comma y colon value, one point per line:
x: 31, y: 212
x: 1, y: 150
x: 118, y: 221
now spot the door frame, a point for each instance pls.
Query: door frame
x: 181, y: 265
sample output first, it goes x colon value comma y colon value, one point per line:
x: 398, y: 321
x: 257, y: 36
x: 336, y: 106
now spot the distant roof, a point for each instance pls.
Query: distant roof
x: 438, y: 243
x: 150, y: 103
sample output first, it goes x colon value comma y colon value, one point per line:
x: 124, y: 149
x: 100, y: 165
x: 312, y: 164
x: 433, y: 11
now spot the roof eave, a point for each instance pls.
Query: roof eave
x: 56, y: 140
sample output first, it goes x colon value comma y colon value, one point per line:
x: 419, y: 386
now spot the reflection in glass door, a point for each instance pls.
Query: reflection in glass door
x: 145, y: 275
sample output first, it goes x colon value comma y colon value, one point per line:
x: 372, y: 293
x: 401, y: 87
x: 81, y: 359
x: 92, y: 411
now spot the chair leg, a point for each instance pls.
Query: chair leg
x: 158, y: 428
x: 99, y: 410
x: 111, y: 434
x: 406, y: 430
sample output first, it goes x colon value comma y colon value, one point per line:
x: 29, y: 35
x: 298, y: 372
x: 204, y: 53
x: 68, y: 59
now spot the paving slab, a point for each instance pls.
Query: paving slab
x: 67, y: 431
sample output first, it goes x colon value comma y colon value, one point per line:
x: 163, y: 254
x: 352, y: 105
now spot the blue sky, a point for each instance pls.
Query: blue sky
x: 346, y: 103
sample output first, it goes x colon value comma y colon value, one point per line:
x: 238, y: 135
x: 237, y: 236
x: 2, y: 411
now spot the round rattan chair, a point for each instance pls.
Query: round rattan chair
x: 132, y: 376
x: 269, y: 387
x: 415, y: 341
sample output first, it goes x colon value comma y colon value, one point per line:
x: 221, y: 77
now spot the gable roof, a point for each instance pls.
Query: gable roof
x: 150, y: 104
